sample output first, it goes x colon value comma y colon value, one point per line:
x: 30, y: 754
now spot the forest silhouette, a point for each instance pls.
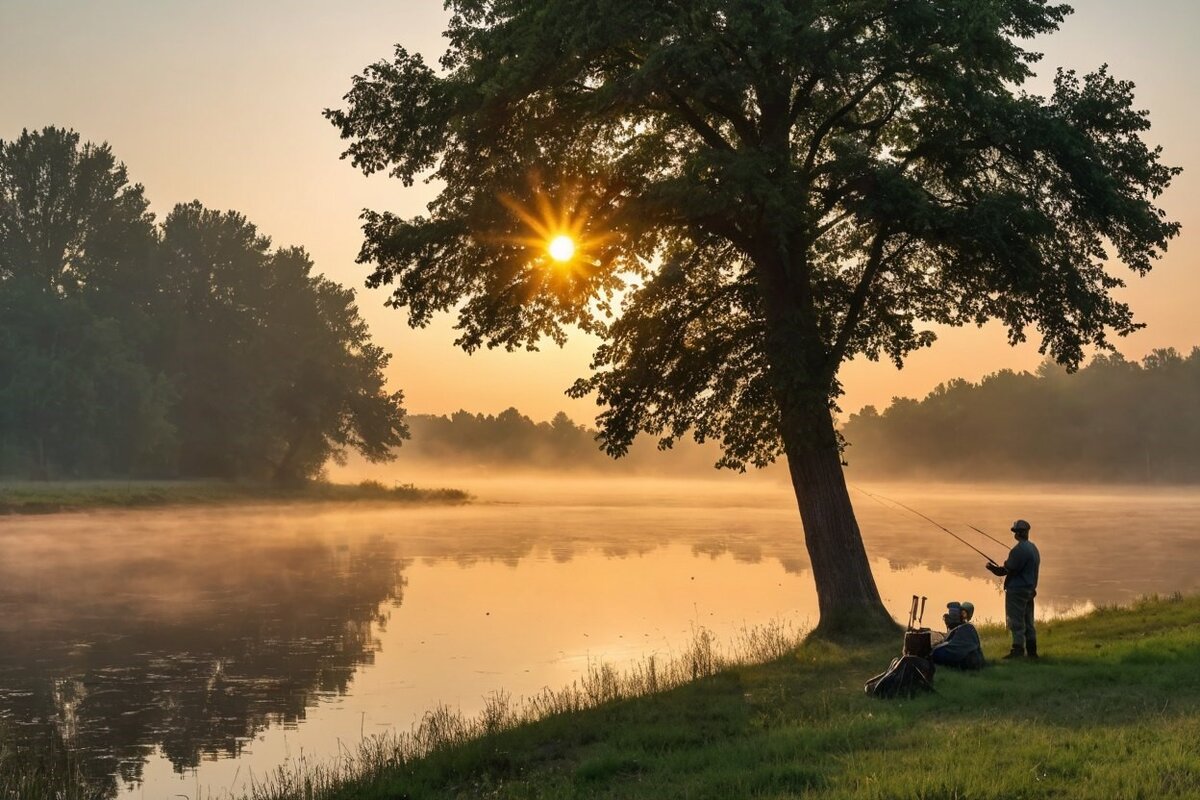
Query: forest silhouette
x: 1114, y: 420
x: 513, y: 440
x: 186, y: 348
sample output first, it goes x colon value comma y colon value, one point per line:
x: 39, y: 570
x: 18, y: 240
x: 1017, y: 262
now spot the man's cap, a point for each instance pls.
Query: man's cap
x: 1020, y: 526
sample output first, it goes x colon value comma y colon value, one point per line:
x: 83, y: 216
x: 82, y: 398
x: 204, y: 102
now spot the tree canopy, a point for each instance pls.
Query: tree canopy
x: 760, y: 190
x: 310, y: 381
x: 876, y: 162
x: 189, y: 348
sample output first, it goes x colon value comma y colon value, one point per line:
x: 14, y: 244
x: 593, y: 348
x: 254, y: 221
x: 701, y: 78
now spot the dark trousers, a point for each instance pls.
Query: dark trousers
x: 1018, y: 609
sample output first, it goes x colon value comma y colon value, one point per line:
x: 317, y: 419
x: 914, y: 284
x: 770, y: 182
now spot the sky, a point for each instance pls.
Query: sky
x: 221, y: 101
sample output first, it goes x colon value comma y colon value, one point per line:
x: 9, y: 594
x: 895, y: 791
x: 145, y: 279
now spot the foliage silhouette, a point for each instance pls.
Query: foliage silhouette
x: 1114, y: 420
x: 779, y: 186
x: 192, y: 349
x: 512, y: 439
x: 309, y: 381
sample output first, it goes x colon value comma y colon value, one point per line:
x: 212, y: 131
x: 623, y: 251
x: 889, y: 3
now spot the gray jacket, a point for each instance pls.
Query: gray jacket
x: 1021, y: 566
x: 961, y: 649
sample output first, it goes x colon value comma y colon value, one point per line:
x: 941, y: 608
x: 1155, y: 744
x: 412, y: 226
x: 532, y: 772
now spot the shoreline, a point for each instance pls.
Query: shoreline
x: 1109, y: 711
x: 63, y: 497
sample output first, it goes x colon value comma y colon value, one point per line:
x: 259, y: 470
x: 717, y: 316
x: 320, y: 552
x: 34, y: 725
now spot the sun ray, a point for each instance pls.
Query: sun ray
x: 560, y: 229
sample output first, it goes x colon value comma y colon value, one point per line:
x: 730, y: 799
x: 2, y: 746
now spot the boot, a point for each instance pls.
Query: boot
x: 1016, y: 652
x: 1031, y: 648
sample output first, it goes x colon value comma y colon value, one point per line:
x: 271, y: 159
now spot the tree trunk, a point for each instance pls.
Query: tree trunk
x: 802, y: 381
x: 847, y: 597
x: 284, y: 470
x: 41, y: 471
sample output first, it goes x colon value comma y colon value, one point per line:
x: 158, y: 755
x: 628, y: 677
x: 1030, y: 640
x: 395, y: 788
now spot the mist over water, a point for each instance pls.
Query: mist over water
x: 179, y: 650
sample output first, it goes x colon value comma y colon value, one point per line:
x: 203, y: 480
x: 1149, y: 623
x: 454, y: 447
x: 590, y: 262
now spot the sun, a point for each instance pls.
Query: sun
x: 562, y: 248
x: 559, y: 234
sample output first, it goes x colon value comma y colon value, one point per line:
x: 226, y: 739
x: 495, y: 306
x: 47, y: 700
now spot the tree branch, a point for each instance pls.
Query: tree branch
x: 806, y: 91
x: 743, y: 127
x: 706, y: 132
x: 831, y: 224
x: 858, y: 301
x: 829, y: 124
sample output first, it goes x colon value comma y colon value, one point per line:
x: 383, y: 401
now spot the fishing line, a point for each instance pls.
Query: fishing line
x: 930, y: 521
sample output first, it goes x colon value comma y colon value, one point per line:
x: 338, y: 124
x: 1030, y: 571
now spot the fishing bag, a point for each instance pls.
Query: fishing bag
x: 906, y: 676
x: 921, y: 641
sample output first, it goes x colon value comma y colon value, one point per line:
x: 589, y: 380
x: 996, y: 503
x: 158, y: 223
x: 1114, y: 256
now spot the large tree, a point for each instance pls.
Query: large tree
x: 779, y: 185
x: 194, y: 348
x: 76, y: 247
x: 274, y: 367
x: 70, y: 219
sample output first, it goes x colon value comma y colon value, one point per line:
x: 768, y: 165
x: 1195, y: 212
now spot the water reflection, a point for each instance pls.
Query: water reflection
x: 188, y: 649
x: 157, y: 642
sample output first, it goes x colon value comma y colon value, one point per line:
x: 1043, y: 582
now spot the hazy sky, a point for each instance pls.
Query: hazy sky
x: 220, y: 101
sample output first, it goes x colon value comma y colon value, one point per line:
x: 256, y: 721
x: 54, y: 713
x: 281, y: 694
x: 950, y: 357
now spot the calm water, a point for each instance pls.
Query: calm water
x: 182, y: 652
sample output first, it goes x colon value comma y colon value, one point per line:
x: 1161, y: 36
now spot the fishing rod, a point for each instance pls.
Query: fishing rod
x: 880, y: 498
x: 993, y: 538
x: 938, y: 525
x: 915, y: 617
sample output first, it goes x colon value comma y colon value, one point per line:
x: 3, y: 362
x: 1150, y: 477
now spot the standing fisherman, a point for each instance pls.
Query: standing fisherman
x: 1020, y: 573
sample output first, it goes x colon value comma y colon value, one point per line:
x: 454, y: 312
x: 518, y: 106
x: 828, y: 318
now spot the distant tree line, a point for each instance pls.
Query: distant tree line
x: 1114, y: 420
x: 186, y: 348
x: 512, y: 439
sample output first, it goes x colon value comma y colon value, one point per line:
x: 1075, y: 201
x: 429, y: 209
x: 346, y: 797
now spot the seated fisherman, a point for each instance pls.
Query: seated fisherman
x: 961, y: 648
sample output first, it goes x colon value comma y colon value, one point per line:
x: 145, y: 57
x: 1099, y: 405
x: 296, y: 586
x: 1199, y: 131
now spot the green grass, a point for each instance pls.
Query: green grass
x: 1112, y: 710
x: 35, y: 773
x: 54, y: 497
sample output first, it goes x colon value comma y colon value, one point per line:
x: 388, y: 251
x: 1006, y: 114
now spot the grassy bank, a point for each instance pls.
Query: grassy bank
x: 1111, y: 711
x: 53, y: 497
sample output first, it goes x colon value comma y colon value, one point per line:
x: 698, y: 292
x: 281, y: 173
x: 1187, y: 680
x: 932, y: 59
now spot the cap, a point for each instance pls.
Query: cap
x: 968, y: 609
x: 1020, y: 526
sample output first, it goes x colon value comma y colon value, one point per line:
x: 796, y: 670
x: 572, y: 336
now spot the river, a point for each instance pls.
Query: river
x: 183, y: 652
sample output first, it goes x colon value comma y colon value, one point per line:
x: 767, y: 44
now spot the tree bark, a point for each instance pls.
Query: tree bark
x: 847, y: 597
x: 802, y: 380
x: 284, y: 470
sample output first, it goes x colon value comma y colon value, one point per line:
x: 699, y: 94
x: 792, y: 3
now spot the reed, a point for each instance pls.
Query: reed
x: 49, y: 772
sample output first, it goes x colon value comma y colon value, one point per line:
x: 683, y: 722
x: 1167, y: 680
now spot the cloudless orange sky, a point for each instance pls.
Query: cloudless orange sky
x: 220, y: 101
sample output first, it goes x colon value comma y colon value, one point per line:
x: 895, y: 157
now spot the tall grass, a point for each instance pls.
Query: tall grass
x: 47, y: 773
x: 1112, y: 710
x: 444, y: 727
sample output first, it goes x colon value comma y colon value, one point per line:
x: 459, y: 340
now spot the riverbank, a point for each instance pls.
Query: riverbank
x: 55, y: 497
x: 1112, y: 710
